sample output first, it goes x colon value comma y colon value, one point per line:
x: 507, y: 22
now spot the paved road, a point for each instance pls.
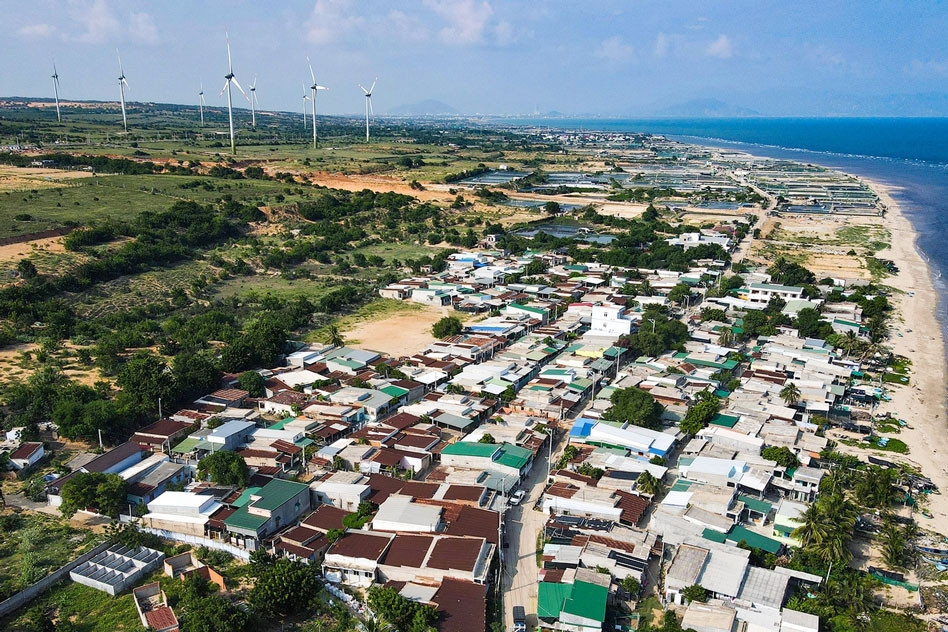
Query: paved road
x: 519, y: 583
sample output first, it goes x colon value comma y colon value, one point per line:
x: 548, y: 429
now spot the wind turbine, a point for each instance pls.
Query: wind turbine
x: 122, y: 85
x: 231, y: 79
x: 368, y: 106
x: 56, y: 90
x: 305, y: 99
x: 253, y: 102
x: 315, y: 88
x: 201, y: 103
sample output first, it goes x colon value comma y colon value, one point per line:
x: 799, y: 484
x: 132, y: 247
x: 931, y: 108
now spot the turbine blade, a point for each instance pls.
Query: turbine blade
x: 318, y: 87
x: 372, y: 89
x: 364, y: 90
x: 224, y: 89
x: 121, y: 70
x: 371, y: 111
x: 237, y: 83
x: 230, y: 64
x: 253, y: 86
x: 311, y: 73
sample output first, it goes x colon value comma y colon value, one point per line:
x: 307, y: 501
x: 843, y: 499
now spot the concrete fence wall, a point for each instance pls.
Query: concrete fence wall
x: 30, y: 593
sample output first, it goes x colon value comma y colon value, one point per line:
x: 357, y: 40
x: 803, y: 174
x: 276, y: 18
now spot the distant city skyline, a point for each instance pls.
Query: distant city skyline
x: 608, y: 58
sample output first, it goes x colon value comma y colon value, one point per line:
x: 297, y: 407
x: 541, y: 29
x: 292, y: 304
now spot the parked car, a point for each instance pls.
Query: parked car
x: 517, y: 497
x: 519, y: 619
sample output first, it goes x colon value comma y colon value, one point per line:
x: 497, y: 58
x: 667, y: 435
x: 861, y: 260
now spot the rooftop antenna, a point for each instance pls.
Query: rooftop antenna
x: 122, y: 85
x: 368, y: 106
x: 201, y: 103
x: 253, y: 102
x: 231, y: 79
x: 315, y: 88
x: 56, y: 90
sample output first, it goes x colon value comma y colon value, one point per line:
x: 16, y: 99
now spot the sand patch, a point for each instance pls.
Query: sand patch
x: 25, y: 178
x: 399, y: 334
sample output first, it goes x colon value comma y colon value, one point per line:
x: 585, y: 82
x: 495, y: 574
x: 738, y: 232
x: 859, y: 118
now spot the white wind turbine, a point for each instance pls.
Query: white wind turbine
x: 231, y: 79
x: 305, y: 99
x: 315, y: 88
x: 368, y: 106
x: 122, y: 85
x: 56, y: 90
x: 253, y: 102
x: 201, y: 103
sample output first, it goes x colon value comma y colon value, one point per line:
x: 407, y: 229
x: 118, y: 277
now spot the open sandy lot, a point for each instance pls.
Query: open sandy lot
x: 20, y: 178
x: 399, y: 334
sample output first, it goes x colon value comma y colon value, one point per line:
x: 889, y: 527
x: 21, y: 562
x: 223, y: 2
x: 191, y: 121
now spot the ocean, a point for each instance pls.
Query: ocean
x: 908, y: 154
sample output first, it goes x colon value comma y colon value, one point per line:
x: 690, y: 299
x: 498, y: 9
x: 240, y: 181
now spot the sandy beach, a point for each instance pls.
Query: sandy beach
x: 922, y: 403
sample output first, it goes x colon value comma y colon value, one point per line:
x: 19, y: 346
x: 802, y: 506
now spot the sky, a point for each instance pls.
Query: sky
x: 607, y: 57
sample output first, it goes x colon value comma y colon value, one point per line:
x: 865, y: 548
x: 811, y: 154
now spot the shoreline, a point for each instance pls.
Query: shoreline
x: 922, y: 403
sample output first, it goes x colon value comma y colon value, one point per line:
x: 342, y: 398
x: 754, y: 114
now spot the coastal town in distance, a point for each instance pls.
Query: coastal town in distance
x: 285, y: 370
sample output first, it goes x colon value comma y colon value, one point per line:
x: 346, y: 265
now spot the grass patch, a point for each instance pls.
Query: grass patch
x: 646, y: 608
x: 35, y: 546
x: 893, y: 445
x: 895, y: 378
x: 877, y: 269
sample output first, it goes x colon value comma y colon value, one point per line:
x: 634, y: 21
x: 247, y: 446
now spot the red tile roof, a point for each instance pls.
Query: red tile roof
x: 470, y: 521
x: 450, y: 553
x: 161, y: 618
x: 462, y: 606
x: 360, y: 545
x: 165, y: 428
x: 464, y: 492
x: 326, y: 517
x: 408, y: 550
x: 26, y: 450
x: 632, y: 505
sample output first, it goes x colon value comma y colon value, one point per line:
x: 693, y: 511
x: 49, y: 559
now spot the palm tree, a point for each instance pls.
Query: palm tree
x: 376, y: 625
x: 851, y: 340
x: 726, y: 339
x: 815, y: 526
x: 648, y: 484
x: 790, y: 394
x: 334, y: 336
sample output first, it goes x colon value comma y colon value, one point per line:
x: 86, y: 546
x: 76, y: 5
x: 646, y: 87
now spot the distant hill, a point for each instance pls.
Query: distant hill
x: 428, y: 107
x: 707, y: 108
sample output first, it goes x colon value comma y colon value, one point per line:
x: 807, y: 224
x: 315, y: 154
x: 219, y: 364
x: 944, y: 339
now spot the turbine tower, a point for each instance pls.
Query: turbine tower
x: 231, y: 79
x: 253, y: 102
x: 56, y: 90
x: 201, y: 103
x: 122, y: 85
x: 368, y: 106
x: 305, y: 99
x: 315, y: 88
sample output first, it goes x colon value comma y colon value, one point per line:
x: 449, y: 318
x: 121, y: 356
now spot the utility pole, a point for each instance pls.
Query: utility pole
x: 100, y: 439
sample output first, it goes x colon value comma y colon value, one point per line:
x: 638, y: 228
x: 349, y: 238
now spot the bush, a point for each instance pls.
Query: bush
x: 447, y: 326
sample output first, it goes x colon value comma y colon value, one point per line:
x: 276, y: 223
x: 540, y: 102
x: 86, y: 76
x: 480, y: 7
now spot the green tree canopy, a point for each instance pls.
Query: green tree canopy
x: 253, y: 383
x: 106, y: 493
x: 224, y: 468
x: 403, y: 614
x: 284, y: 587
x: 783, y: 455
x: 699, y: 415
x: 145, y: 379
x: 635, y: 406
x: 447, y: 326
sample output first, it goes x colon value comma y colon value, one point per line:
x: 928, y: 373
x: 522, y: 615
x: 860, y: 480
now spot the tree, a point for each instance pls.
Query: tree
x: 631, y: 585
x: 253, y: 383
x: 635, y: 406
x: 334, y: 337
x: 447, y: 326
x: 894, y: 544
x: 106, y: 493
x: 783, y: 455
x: 699, y: 415
x: 404, y: 614
x: 334, y: 534
x: 790, y: 394
x: 694, y: 593
x: 284, y: 587
x: 726, y: 337
x: 146, y: 378
x: 851, y: 341
x: 679, y: 293
x: 213, y: 614
x: 224, y: 468
x: 648, y: 484
x: 195, y: 374
x: 810, y: 324
x: 487, y: 438
x: 552, y: 208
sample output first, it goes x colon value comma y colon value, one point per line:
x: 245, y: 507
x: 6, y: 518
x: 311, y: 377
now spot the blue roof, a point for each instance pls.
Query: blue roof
x: 582, y: 427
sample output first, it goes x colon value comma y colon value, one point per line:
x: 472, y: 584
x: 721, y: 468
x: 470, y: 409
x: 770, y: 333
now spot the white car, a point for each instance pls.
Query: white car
x: 517, y: 497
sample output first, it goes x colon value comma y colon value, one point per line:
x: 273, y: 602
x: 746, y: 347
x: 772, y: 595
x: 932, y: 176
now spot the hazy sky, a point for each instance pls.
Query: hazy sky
x: 484, y: 56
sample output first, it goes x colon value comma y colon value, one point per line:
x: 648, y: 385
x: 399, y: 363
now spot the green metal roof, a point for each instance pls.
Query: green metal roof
x: 470, y: 448
x: 243, y: 519
x: 587, y: 600
x: 756, y: 540
x: 728, y: 421
x: 186, y: 446
x: 277, y: 493
x: 513, y: 456
x: 714, y: 536
x: 550, y: 598
x: 244, y: 497
x: 394, y: 391
x: 755, y: 504
x: 681, y: 485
